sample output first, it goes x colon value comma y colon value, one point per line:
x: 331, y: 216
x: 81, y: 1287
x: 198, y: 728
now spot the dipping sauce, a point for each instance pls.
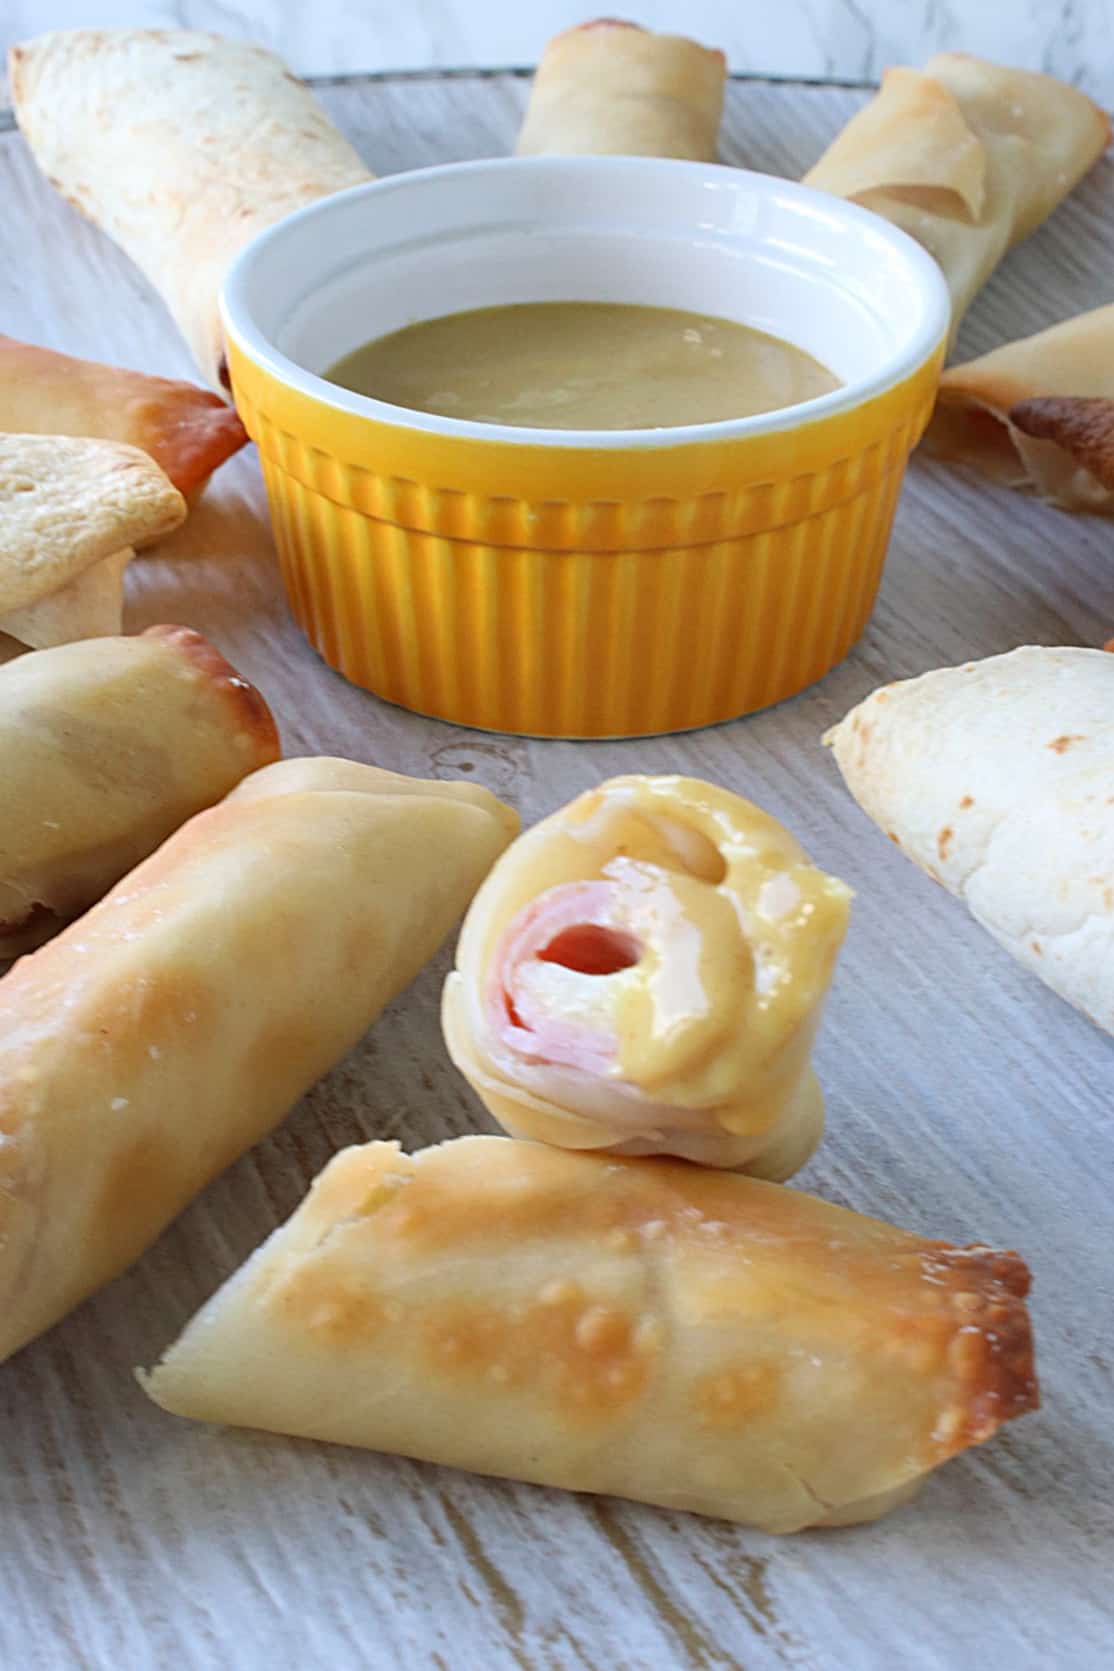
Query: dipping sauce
x: 583, y: 365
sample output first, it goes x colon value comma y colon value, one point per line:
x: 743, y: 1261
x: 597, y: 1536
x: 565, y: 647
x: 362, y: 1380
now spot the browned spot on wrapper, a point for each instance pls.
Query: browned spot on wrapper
x: 583, y: 1354
x: 990, y: 1355
x: 141, y: 1189
x: 1082, y: 425
x: 316, y: 1299
x: 1061, y: 745
x: 253, y: 717
x: 944, y: 841
x: 731, y: 1398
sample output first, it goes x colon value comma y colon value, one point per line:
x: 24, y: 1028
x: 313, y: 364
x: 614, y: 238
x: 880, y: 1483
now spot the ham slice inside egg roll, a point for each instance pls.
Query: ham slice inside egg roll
x: 175, y: 1024
x: 614, y: 89
x: 644, y: 972
x: 106, y: 747
x: 645, y: 1328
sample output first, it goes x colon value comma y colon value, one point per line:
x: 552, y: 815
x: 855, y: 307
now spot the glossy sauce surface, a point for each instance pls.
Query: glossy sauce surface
x: 584, y: 365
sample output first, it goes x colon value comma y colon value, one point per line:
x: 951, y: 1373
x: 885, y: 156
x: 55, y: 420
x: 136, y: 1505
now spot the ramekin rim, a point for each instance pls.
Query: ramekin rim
x: 239, y: 325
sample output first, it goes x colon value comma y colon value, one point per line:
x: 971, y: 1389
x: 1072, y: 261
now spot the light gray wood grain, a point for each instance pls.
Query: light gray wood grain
x: 964, y: 1101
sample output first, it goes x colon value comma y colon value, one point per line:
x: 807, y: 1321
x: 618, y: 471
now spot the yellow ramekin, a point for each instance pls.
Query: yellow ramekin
x: 576, y: 584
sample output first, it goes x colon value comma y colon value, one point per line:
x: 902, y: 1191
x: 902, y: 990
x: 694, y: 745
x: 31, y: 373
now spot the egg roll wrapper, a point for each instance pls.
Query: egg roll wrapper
x: 181, y: 146
x: 614, y: 89
x: 163, y: 1033
x: 968, y: 157
x: 1037, y: 414
x: 644, y: 972
x: 186, y: 430
x: 91, y: 605
x: 995, y: 778
x: 649, y: 1329
x: 70, y: 502
x: 106, y: 748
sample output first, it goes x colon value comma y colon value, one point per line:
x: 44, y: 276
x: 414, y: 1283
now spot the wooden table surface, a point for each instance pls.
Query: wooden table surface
x: 964, y: 1101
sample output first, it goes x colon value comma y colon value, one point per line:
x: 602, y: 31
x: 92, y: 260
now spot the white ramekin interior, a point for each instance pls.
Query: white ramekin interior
x: 856, y: 293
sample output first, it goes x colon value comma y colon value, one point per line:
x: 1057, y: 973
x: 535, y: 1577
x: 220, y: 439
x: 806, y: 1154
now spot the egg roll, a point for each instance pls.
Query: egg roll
x: 160, y: 1035
x: 1037, y: 414
x: 968, y: 157
x: 181, y: 146
x: 71, y: 512
x: 106, y: 747
x: 649, y: 1329
x: 995, y: 778
x: 614, y: 89
x: 644, y: 972
x: 187, y: 431
x: 91, y: 605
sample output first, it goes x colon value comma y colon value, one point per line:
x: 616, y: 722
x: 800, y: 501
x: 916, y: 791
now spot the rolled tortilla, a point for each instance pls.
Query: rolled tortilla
x: 995, y: 778
x: 181, y: 146
x: 71, y: 510
x: 644, y: 972
x: 643, y: 1328
x: 174, y: 1025
x: 1037, y: 414
x: 968, y: 157
x: 106, y: 747
x: 187, y: 431
x: 614, y: 89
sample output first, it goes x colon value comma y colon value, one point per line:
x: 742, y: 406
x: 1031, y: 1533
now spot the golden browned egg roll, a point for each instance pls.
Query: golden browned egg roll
x: 644, y: 972
x: 649, y: 1329
x: 614, y: 89
x: 171, y: 1027
x: 181, y: 146
x: 1037, y: 414
x: 106, y: 747
x: 968, y: 157
x: 186, y: 430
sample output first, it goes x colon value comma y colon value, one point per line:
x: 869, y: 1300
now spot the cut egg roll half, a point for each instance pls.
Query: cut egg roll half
x: 644, y: 972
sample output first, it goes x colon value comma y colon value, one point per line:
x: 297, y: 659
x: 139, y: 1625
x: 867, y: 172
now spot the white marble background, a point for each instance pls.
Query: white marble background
x: 822, y: 39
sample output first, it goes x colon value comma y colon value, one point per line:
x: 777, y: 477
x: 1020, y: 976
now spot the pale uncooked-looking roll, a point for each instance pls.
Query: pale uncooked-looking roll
x: 966, y: 156
x: 613, y: 89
